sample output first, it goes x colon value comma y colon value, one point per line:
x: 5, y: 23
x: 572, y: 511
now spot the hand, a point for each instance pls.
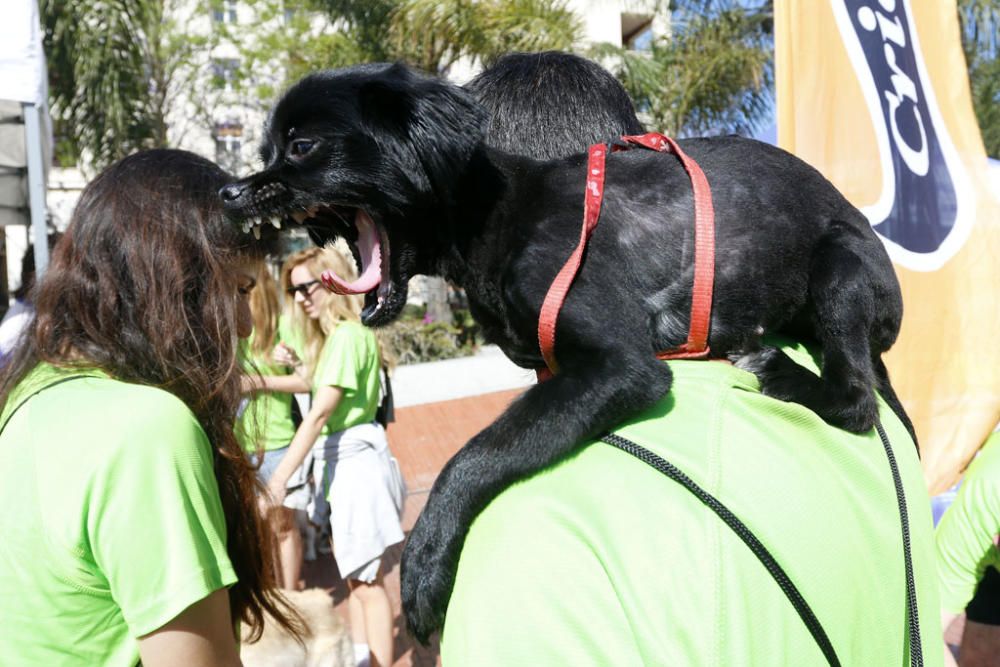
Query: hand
x: 248, y: 384
x: 285, y: 356
x: 273, y: 498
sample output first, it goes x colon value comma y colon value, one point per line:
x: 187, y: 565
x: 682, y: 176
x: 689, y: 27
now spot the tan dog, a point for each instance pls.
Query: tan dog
x: 328, y: 645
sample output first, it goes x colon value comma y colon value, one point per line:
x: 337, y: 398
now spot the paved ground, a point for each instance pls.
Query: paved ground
x: 423, y: 438
x: 323, y: 573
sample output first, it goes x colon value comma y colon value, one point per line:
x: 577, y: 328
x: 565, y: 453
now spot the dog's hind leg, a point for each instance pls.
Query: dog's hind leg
x: 548, y: 422
x: 855, y: 310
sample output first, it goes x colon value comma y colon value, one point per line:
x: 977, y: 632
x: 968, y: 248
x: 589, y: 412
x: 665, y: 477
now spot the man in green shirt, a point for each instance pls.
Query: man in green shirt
x: 602, y: 560
x: 968, y: 558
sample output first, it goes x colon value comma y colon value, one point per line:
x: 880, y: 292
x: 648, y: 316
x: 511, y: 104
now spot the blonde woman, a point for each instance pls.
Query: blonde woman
x: 266, y: 428
x: 339, y: 362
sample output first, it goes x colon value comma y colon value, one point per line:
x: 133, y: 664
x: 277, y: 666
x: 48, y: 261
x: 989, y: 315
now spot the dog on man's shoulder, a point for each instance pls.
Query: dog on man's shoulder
x: 395, y: 163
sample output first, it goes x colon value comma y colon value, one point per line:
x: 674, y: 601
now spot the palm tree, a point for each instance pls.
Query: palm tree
x: 435, y: 34
x: 980, y: 20
x: 115, y: 67
x: 431, y: 35
x: 713, y: 73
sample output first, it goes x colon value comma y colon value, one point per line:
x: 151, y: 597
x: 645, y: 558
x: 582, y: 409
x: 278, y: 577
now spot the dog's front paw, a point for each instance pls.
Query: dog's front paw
x: 427, y: 574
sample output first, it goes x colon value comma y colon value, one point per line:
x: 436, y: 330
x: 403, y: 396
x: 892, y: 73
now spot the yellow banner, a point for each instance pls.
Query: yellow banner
x: 875, y: 94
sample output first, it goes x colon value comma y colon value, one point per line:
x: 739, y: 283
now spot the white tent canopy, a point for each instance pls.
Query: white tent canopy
x: 22, y: 62
x: 25, y: 139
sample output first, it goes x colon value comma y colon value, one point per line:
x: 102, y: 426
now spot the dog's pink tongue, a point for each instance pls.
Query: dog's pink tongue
x: 370, y: 249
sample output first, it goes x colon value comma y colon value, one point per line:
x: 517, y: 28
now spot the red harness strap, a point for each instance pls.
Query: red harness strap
x: 696, y: 346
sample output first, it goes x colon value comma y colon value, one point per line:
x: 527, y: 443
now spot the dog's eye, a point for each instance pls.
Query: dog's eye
x: 301, y: 147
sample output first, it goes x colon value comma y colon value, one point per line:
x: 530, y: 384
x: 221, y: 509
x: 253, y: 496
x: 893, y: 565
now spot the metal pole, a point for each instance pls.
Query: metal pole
x: 36, y: 185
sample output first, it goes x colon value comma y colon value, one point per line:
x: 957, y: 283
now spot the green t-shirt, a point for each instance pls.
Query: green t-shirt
x: 268, y: 415
x: 602, y: 560
x: 965, y: 536
x: 350, y: 360
x: 290, y: 335
x: 111, y: 520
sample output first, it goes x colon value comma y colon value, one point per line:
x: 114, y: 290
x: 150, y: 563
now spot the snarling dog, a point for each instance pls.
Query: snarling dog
x: 395, y: 163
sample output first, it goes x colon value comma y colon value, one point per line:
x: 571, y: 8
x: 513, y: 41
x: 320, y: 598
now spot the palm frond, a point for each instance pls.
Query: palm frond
x: 527, y: 26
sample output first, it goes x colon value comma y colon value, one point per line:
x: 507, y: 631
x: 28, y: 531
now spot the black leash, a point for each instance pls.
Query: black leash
x: 759, y: 550
x: 803, y: 609
x: 912, y: 617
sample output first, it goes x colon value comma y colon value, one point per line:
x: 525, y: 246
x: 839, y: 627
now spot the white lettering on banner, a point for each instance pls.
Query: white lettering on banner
x: 926, y: 208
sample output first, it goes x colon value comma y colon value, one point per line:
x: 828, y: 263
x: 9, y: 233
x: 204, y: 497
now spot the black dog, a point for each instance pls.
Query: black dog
x: 395, y: 162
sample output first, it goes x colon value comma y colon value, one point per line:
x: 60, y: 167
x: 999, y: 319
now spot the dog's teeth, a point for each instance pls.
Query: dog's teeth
x: 246, y: 226
x: 276, y: 223
x: 256, y: 232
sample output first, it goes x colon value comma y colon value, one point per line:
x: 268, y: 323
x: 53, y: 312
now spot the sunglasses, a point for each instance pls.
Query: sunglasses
x: 305, y: 289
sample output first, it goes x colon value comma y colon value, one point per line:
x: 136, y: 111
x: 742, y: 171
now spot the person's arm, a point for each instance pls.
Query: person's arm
x: 200, y: 636
x: 287, y: 384
x: 965, y: 535
x: 947, y: 618
x: 294, y: 383
x: 156, y: 526
x: 323, y: 404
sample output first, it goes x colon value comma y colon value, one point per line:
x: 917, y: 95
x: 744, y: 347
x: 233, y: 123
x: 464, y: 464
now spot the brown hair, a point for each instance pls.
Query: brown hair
x: 140, y: 287
x: 265, y: 306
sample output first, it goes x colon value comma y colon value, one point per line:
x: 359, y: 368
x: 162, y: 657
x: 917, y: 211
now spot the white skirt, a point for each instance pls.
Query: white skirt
x: 360, y: 478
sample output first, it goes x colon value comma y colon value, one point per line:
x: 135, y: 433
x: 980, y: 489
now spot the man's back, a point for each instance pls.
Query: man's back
x: 602, y: 560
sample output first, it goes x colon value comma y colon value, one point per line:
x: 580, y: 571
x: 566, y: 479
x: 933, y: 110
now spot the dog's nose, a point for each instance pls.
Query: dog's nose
x: 231, y: 193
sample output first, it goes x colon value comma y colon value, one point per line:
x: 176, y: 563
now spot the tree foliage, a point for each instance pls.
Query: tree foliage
x: 433, y: 35
x: 712, y: 73
x: 114, y: 69
x: 980, y: 21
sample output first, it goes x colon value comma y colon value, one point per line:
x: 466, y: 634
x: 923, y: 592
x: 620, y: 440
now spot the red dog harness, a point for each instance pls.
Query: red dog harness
x: 696, y: 346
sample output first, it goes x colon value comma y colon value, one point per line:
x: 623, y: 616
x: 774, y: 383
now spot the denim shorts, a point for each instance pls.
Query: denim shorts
x: 298, y: 491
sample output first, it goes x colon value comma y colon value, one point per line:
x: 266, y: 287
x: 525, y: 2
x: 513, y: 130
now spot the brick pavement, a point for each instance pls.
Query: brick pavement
x: 423, y: 438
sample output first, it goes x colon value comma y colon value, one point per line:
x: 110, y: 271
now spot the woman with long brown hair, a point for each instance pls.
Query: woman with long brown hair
x: 266, y: 426
x: 129, y: 520
x: 357, y: 472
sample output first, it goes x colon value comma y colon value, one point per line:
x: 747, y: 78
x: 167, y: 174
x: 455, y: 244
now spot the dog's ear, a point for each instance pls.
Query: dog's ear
x: 438, y: 123
x: 446, y: 113
x: 386, y: 104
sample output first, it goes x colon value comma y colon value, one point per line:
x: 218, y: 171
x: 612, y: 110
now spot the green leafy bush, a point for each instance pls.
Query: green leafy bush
x: 413, y: 339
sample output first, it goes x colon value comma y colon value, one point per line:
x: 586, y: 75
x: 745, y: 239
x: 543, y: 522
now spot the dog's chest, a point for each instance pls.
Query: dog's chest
x: 499, y: 329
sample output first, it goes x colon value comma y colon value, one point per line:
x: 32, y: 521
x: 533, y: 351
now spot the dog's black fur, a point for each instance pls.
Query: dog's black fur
x: 792, y: 254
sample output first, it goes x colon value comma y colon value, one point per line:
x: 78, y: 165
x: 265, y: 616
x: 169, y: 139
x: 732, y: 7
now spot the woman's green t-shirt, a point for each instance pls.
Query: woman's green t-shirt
x: 268, y: 415
x: 111, y: 520
x: 350, y: 360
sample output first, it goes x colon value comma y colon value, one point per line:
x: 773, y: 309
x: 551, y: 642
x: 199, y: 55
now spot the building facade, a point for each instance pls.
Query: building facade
x: 219, y: 100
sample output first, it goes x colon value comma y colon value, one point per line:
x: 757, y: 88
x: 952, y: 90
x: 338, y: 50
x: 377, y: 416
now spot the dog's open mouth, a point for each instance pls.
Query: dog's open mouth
x: 370, y: 246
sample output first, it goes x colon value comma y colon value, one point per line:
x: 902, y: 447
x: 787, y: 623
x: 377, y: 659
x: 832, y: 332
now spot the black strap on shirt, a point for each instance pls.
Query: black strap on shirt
x: 912, y: 617
x: 802, y: 608
x: 36, y: 392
